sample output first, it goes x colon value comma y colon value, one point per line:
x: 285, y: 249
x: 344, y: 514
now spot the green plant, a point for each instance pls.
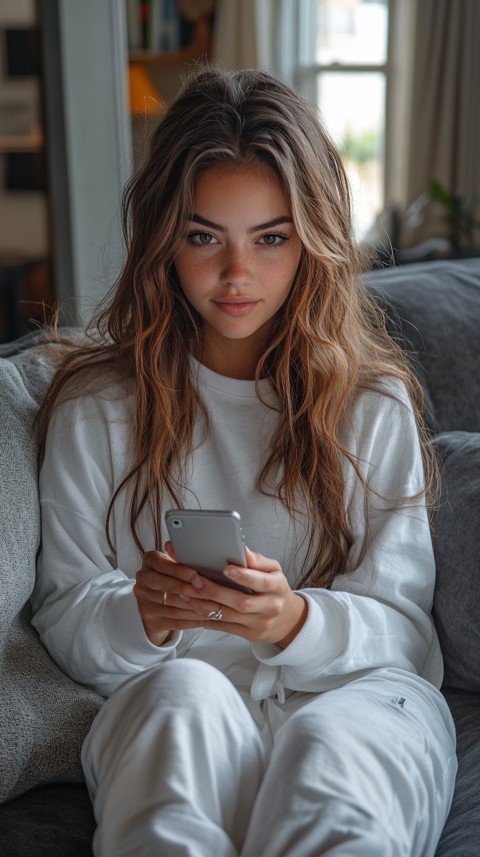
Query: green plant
x: 460, y: 214
x: 361, y: 148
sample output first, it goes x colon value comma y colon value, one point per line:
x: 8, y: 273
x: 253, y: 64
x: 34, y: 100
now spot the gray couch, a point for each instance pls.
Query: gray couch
x: 434, y: 308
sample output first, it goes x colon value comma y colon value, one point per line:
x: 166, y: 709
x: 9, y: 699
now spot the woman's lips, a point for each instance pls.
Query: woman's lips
x: 236, y: 308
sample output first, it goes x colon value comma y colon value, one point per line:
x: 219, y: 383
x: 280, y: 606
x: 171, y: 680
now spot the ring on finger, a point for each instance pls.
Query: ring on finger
x: 216, y: 614
x: 165, y: 594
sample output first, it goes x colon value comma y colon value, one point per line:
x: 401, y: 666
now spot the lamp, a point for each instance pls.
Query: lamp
x: 144, y: 98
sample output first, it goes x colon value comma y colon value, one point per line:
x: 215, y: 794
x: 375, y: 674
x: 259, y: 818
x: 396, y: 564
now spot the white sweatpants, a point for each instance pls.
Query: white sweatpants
x: 176, y: 767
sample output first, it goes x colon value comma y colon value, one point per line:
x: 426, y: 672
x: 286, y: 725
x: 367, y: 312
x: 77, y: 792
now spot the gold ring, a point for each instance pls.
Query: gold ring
x: 165, y: 594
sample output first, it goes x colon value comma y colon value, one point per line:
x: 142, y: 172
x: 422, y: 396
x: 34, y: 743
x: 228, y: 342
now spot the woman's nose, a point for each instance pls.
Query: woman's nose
x: 236, y: 268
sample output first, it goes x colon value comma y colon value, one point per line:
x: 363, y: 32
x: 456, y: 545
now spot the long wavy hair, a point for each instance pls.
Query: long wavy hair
x: 328, y: 342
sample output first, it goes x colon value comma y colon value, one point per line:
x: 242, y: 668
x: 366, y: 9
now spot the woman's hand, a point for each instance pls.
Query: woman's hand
x: 174, y: 597
x: 273, y: 614
x: 170, y: 597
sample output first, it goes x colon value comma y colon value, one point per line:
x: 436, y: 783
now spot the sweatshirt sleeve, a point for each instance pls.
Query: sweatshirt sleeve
x: 378, y: 614
x: 83, y: 604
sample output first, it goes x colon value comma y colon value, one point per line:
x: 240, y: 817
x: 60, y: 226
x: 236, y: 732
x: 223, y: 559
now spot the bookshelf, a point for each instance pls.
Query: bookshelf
x: 169, y: 30
x: 26, y: 282
x: 164, y: 37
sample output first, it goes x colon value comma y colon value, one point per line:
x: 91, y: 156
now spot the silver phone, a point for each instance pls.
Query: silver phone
x: 207, y: 540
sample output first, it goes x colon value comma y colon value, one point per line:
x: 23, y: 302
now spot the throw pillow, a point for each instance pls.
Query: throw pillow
x: 44, y: 716
x: 434, y: 311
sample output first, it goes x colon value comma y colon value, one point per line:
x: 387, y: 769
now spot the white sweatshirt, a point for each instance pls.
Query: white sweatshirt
x: 376, y: 616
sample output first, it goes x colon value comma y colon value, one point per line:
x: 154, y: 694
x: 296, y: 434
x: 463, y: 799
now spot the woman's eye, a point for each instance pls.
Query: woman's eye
x: 273, y: 239
x: 202, y: 239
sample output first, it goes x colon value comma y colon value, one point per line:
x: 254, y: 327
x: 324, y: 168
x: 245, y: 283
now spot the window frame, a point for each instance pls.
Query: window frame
x: 397, y: 72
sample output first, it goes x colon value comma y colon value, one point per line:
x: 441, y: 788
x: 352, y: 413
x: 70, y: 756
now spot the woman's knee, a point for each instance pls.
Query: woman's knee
x: 177, y: 692
x: 306, y: 728
x: 181, y: 682
x: 186, y: 705
x: 184, y: 689
x: 377, y: 754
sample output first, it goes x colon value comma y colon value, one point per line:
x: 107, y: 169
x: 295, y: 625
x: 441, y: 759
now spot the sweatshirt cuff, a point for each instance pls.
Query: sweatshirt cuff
x: 311, y: 642
x: 125, y: 632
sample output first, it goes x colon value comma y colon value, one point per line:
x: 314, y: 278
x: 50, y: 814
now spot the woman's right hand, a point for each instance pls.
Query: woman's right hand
x: 169, y: 596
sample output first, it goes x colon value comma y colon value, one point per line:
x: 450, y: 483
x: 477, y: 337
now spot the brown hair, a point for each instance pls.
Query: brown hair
x: 329, y: 341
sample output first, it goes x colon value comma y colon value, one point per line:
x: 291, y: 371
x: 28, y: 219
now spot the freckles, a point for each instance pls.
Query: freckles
x: 189, y: 268
x: 198, y: 272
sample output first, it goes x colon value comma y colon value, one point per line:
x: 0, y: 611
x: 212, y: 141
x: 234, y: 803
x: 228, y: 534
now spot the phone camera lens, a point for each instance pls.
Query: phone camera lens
x: 176, y: 523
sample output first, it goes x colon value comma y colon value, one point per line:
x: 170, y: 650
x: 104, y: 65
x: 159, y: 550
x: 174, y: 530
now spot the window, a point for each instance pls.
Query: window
x: 344, y: 67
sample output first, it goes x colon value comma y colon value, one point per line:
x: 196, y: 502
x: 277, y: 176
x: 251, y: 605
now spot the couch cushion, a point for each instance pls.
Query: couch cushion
x: 461, y: 834
x: 434, y: 309
x: 50, y: 821
x: 457, y: 548
x: 44, y: 716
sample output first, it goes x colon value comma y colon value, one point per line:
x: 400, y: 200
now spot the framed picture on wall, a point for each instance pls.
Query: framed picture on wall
x: 21, y: 52
x: 21, y: 144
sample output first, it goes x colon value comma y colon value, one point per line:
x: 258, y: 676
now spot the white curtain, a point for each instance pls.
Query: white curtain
x: 444, y: 137
x: 257, y: 34
x: 241, y: 39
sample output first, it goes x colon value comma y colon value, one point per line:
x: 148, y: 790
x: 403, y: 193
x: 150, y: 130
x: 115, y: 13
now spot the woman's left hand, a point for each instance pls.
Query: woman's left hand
x: 272, y: 614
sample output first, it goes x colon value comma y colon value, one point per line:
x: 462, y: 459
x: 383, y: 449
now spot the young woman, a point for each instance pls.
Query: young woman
x: 239, y: 364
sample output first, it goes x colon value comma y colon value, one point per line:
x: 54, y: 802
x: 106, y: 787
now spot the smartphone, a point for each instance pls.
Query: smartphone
x: 207, y: 540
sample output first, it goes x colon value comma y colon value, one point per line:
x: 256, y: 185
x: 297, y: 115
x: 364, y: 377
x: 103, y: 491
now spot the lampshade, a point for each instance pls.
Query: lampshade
x: 144, y: 98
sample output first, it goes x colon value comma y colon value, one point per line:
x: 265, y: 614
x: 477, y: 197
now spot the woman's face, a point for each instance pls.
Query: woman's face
x: 238, y: 263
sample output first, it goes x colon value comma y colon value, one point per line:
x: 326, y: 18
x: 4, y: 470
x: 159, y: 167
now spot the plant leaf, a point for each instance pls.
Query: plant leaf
x: 441, y: 194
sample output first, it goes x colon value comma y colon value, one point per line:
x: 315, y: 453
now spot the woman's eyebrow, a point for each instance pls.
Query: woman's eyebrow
x: 196, y: 218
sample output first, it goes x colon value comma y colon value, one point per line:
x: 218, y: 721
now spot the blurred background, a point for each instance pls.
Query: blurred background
x: 83, y: 83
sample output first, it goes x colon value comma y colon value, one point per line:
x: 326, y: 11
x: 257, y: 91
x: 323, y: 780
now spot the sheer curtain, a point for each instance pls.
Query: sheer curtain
x: 257, y: 34
x: 444, y: 134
